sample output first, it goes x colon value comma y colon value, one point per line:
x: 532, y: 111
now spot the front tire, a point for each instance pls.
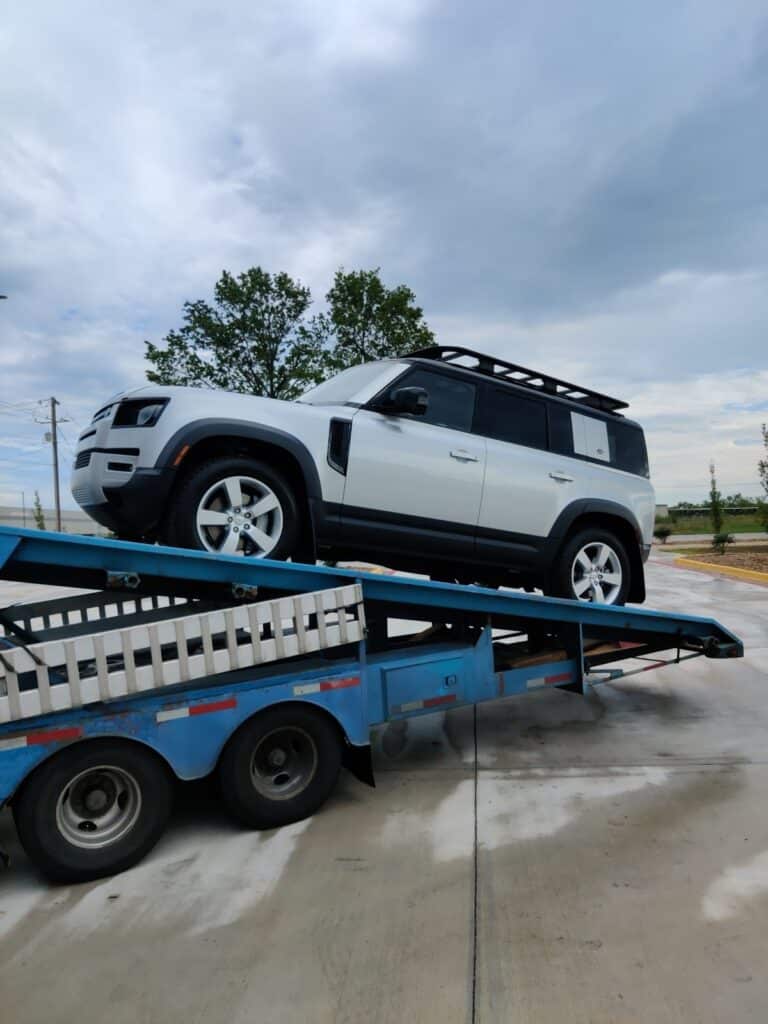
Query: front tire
x: 235, y: 506
x: 92, y: 810
x: 280, y: 766
x: 593, y: 567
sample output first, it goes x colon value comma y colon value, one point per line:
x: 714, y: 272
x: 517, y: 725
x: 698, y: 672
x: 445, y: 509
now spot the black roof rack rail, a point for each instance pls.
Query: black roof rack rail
x: 499, y: 369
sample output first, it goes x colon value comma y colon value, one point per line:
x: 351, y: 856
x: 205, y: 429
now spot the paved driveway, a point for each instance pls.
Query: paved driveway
x: 549, y: 859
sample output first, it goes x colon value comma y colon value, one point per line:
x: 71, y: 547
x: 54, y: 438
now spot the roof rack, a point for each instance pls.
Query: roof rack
x: 467, y: 359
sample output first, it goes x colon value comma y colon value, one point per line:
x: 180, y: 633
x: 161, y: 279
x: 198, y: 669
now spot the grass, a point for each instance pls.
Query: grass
x: 757, y: 547
x: 702, y: 524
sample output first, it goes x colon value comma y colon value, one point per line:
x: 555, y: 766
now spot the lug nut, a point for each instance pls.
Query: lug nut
x: 236, y: 530
x: 247, y: 515
x: 229, y: 519
x: 247, y: 526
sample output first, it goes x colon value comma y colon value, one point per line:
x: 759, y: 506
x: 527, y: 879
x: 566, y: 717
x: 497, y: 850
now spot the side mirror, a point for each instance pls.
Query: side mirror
x: 410, y: 400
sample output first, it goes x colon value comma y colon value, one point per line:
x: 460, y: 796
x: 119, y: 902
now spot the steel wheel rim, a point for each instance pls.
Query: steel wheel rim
x: 283, y: 763
x: 239, y: 515
x: 596, y: 574
x: 98, y: 807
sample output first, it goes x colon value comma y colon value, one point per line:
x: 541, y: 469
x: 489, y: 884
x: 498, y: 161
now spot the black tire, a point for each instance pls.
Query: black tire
x: 180, y: 527
x: 250, y: 782
x: 53, y: 799
x: 562, y: 584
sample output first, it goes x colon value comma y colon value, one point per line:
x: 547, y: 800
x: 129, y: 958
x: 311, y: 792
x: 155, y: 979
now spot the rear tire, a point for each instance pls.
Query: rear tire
x: 92, y: 810
x: 592, y: 567
x: 280, y: 766
x: 215, y: 509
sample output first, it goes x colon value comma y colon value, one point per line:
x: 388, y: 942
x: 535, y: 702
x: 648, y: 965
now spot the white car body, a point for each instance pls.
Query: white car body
x: 405, y: 489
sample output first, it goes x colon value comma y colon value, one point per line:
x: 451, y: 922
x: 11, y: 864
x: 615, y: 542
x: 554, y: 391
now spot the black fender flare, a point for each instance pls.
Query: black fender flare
x: 202, y: 430
x: 602, y: 506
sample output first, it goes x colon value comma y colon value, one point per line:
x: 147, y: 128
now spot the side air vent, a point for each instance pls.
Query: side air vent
x: 339, y: 437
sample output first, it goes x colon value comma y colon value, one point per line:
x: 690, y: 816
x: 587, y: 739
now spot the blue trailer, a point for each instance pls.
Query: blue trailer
x: 177, y: 664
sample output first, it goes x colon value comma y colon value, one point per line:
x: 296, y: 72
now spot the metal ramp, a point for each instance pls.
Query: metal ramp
x: 83, y: 661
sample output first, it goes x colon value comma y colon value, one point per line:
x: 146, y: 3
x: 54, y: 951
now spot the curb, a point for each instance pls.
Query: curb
x: 751, y: 575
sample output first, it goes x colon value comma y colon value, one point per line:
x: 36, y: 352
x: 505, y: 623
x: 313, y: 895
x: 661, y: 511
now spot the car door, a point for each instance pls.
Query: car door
x: 413, y: 482
x: 526, y: 485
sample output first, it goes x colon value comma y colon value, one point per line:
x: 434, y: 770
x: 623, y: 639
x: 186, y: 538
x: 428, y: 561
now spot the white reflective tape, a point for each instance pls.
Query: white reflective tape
x: 171, y: 714
x: 14, y: 744
x: 414, y: 705
x: 302, y: 691
x: 532, y: 684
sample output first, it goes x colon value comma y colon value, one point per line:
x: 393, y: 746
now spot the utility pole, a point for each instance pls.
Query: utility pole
x: 55, y: 447
x: 53, y: 436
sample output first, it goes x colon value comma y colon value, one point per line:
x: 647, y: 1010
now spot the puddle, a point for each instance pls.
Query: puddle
x: 513, y: 808
x: 736, y: 888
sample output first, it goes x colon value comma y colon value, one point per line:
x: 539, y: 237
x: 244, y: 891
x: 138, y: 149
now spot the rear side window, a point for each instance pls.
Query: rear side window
x: 560, y: 429
x: 451, y: 399
x: 507, y: 416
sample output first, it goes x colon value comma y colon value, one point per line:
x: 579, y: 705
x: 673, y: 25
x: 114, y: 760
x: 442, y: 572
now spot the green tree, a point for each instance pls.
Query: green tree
x: 368, y: 321
x: 762, y: 472
x: 256, y: 338
x: 37, y: 512
x: 715, y: 502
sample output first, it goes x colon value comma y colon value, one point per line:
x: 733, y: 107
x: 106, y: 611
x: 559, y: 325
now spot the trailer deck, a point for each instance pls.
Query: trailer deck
x: 272, y: 674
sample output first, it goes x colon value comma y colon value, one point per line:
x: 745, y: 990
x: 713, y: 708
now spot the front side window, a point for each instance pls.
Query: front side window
x: 451, y: 399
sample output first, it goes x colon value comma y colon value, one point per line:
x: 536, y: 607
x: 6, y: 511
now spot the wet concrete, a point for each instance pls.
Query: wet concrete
x: 550, y: 858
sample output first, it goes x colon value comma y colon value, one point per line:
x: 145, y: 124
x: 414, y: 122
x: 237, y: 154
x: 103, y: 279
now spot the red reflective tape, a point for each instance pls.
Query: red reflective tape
x: 435, y: 701
x: 564, y: 677
x: 216, y: 705
x: 340, y: 684
x: 54, y: 736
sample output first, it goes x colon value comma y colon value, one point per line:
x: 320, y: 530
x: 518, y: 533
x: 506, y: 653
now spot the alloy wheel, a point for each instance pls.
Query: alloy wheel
x: 596, y: 574
x: 239, y: 515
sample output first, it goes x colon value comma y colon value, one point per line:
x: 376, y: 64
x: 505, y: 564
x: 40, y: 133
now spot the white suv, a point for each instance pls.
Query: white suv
x: 446, y: 462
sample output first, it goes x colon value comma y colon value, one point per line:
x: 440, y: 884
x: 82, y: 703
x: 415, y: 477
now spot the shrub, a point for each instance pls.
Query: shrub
x: 662, y: 533
x: 720, y: 541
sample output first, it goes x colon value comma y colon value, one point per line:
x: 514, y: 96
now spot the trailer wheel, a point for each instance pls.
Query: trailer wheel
x: 95, y: 809
x: 281, y: 766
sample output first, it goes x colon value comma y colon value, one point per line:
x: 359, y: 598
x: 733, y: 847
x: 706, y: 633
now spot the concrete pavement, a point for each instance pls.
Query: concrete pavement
x: 551, y: 858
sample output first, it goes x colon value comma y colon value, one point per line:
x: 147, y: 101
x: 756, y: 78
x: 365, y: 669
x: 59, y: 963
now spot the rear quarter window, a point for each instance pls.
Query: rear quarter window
x: 626, y: 441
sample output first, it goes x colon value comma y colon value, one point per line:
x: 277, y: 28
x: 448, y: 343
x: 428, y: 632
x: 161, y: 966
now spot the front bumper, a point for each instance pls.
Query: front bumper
x: 134, y: 509
x: 645, y: 551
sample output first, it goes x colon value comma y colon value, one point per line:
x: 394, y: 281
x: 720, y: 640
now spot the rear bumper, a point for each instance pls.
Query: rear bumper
x: 645, y: 550
x: 135, y: 509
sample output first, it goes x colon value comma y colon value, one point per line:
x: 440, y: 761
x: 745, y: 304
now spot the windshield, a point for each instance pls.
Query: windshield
x: 358, y: 383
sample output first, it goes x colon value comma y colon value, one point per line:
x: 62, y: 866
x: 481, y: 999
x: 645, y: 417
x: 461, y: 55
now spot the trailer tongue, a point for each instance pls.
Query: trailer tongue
x: 180, y: 663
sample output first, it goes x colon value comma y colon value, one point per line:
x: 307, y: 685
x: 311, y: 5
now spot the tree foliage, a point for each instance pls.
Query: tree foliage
x: 762, y: 470
x: 366, y: 320
x: 715, y: 502
x: 256, y: 337
x: 37, y: 512
x: 762, y: 466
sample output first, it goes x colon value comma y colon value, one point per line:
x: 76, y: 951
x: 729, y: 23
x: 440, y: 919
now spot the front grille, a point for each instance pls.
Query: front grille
x: 83, y: 459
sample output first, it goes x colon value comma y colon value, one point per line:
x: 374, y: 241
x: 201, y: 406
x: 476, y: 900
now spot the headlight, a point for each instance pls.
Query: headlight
x: 139, y: 412
x: 102, y: 413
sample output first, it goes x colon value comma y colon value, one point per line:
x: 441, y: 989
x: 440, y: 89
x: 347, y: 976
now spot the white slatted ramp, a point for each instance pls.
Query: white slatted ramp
x: 68, y: 673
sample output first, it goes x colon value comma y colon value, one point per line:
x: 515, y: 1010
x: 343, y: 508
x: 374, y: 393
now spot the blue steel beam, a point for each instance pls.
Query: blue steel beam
x: 83, y: 562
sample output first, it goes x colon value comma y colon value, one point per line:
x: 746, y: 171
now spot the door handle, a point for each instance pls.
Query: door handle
x: 561, y: 478
x: 463, y: 456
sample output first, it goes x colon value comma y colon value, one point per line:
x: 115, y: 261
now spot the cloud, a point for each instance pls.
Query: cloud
x: 580, y: 189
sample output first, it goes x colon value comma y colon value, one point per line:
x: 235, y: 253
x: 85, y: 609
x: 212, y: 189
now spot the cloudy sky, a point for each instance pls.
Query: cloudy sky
x: 580, y: 188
